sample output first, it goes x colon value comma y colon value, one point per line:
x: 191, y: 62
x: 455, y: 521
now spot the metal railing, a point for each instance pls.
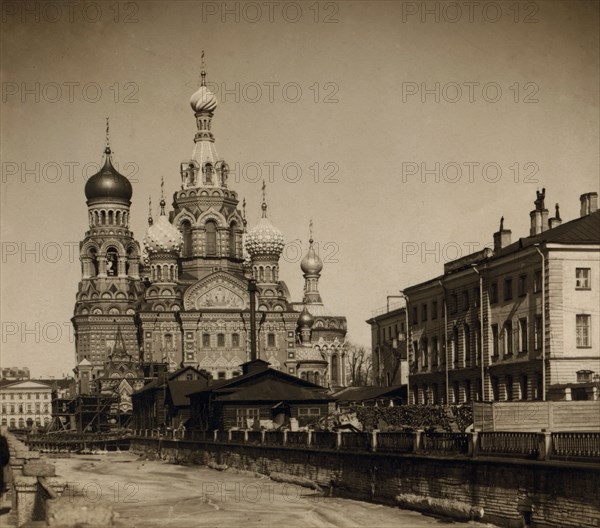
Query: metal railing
x: 576, y: 446
x: 509, y: 443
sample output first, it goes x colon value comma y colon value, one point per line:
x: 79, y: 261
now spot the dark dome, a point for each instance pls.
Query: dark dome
x: 305, y: 320
x: 108, y: 183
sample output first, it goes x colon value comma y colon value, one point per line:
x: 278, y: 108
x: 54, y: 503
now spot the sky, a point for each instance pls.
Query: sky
x: 404, y: 130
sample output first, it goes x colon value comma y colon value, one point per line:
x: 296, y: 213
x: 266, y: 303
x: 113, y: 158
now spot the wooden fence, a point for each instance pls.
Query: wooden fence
x: 531, y: 416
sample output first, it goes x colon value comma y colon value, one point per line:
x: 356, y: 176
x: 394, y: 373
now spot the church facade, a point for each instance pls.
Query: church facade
x: 181, y: 297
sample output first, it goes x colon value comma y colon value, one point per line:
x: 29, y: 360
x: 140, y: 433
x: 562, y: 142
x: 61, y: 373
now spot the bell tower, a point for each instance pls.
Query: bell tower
x: 110, y: 286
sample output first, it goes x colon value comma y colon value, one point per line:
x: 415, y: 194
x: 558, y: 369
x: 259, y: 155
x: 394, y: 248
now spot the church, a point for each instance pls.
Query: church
x: 180, y: 298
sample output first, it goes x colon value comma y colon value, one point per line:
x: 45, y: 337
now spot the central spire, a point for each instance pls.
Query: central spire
x: 205, y: 169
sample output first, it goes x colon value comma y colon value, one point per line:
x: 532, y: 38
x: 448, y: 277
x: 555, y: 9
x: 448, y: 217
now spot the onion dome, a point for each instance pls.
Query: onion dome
x: 162, y: 236
x: 108, y: 183
x: 264, y: 238
x: 306, y: 320
x: 311, y: 263
x: 203, y: 100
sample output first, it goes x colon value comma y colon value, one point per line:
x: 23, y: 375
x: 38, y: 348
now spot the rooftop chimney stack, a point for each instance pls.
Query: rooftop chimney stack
x: 539, y: 216
x: 589, y: 203
x: 557, y: 220
x: 501, y: 237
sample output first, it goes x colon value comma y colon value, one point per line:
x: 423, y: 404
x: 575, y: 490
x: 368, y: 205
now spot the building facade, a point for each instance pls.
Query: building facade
x: 389, y: 347
x: 181, y: 297
x: 517, y: 322
x: 25, y: 403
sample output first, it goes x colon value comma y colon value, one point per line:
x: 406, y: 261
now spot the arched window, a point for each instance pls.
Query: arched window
x: 220, y: 340
x: 112, y: 262
x: 211, y: 238
x: 168, y: 341
x: 317, y: 379
x: 186, y: 231
x: 94, y: 263
x: 334, y: 369
x: 235, y: 340
x: 232, y: 240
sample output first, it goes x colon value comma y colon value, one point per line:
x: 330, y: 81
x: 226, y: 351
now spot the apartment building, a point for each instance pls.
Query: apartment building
x: 517, y: 322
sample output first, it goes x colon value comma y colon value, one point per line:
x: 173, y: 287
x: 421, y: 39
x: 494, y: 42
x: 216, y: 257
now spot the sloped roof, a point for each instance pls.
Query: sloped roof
x: 220, y: 385
x: 583, y: 230
x: 178, y: 391
x: 269, y: 389
x: 160, y: 381
x: 367, y: 393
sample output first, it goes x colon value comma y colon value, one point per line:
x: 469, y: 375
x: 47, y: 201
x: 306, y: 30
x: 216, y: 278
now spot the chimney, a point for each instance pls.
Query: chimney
x: 557, y: 220
x: 501, y: 237
x: 589, y: 203
x: 257, y: 365
x: 539, y: 216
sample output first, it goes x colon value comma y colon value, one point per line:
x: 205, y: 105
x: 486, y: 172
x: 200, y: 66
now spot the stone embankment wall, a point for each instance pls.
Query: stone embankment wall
x: 502, y: 491
x: 37, y: 498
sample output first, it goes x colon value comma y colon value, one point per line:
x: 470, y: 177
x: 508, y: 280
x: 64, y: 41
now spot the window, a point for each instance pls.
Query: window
x: 309, y: 411
x: 456, y: 392
x: 582, y: 324
x: 245, y: 418
x: 537, y: 281
x: 495, y: 351
x: 455, y: 344
x: 538, y: 334
x: 508, y: 289
x: 424, y: 352
x: 415, y: 315
x: 416, y: 352
x: 454, y: 303
x: 494, y: 292
x: 523, y: 387
x: 508, y: 338
x: 235, y: 340
x: 523, y: 335
x: 112, y: 262
x: 220, y: 340
x: 467, y: 390
x: 477, y: 341
x: 271, y: 340
x: 211, y: 238
x: 465, y: 300
x: 522, y: 285
x: 435, y: 351
x: 206, y: 340
x: 476, y: 297
x: 232, y: 240
x: 495, y: 389
x: 509, y: 388
x: 583, y: 278
x: 584, y: 376
x: 424, y: 312
x: 434, y: 309
x: 467, y: 337
x: 221, y: 375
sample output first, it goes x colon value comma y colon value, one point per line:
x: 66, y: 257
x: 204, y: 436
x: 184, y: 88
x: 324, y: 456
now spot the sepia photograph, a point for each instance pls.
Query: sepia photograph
x: 301, y: 263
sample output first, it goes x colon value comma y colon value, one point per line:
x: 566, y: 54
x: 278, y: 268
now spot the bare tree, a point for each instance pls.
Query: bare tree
x: 360, y: 365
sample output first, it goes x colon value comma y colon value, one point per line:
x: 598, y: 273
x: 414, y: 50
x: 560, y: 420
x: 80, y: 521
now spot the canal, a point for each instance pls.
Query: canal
x: 156, y: 494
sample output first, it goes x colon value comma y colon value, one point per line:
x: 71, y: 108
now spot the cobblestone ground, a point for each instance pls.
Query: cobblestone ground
x: 155, y: 494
